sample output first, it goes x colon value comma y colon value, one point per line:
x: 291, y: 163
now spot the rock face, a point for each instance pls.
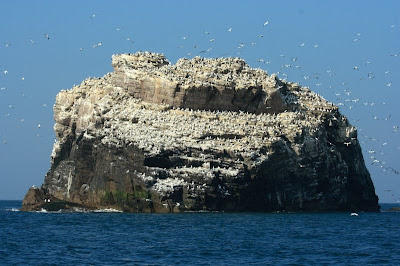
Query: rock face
x: 201, y: 135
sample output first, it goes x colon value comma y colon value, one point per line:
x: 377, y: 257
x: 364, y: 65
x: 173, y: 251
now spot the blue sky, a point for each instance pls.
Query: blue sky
x: 347, y: 51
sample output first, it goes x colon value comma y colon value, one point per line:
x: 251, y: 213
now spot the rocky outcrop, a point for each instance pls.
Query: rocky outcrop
x: 201, y: 135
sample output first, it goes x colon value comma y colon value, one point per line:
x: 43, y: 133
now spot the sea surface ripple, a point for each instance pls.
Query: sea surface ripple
x: 32, y: 238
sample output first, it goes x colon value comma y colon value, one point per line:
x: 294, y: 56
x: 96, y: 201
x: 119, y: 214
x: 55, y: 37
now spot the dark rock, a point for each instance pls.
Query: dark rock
x: 394, y: 209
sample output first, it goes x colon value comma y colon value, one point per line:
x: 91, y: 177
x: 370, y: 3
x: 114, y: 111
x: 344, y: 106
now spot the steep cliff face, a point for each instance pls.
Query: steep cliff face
x: 203, y: 134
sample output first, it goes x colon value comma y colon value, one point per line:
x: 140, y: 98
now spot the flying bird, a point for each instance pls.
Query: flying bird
x: 97, y: 45
x: 129, y: 40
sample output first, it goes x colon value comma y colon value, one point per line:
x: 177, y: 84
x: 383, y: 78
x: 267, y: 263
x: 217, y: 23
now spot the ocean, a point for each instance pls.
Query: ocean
x: 105, y: 238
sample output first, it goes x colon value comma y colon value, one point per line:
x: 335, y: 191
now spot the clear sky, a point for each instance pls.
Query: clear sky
x: 347, y: 51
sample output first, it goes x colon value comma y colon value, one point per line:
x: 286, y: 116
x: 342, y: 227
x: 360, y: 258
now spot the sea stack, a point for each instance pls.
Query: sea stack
x: 200, y: 135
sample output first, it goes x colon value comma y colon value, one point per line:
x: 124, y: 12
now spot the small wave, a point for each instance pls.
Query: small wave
x: 74, y: 210
x: 107, y: 210
x: 12, y: 210
x: 77, y: 209
x: 42, y: 211
x: 203, y: 211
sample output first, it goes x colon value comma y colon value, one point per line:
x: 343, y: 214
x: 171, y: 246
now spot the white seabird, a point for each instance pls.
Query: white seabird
x: 97, y: 45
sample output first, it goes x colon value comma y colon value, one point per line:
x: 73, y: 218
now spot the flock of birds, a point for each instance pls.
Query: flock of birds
x: 374, y: 148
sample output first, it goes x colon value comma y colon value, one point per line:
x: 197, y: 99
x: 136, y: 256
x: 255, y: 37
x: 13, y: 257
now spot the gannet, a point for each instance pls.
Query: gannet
x: 97, y: 45
x: 129, y: 39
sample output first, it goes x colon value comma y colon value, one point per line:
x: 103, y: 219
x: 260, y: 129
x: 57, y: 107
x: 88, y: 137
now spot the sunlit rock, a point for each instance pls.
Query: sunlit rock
x: 201, y: 135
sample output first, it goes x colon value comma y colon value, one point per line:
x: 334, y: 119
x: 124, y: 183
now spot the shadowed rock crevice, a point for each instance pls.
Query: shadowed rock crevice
x: 200, y: 135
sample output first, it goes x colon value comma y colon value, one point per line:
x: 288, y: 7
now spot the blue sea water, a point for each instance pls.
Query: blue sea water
x: 197, y: 238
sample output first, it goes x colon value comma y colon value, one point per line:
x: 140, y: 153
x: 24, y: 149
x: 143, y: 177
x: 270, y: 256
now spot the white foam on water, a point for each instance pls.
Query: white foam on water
x: 107, y: 210
x: 77, y: 209
x: 12, y: 210
x: 42, y: 211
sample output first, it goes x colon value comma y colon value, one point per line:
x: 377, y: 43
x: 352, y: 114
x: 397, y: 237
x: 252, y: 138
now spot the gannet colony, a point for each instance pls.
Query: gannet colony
x: 200, y: 135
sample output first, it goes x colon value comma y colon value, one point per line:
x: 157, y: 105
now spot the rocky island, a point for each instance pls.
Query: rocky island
x: 200, y: 135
